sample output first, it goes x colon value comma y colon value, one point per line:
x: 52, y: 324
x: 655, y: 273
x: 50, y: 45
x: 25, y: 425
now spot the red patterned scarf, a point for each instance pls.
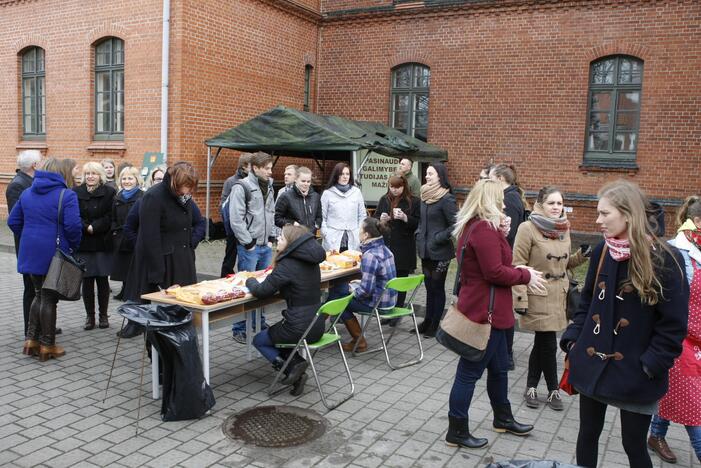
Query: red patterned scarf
x: 694, y: 237
x: 618, y: 248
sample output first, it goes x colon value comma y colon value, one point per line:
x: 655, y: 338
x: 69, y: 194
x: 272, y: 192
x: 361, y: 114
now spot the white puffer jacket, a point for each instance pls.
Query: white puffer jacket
x: 341, y: 212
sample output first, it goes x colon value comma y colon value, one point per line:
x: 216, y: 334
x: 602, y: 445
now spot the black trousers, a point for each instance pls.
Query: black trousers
x: 543, y: 361
x: 510, y: 341
x: 435, y: 274
x: 634, y: 427
x: 401, y: 297
x: 27, y: 299
x: 229, y: 262
x: 103, y: 294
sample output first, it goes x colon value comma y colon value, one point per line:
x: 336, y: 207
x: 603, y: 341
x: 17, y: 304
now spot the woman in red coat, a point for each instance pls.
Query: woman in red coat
x: 682, y: 403
x: 486, y: 275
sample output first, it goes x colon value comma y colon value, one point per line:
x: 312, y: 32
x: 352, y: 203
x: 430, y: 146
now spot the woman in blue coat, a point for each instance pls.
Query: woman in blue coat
x: 629, y: 326
x: 34, y: 219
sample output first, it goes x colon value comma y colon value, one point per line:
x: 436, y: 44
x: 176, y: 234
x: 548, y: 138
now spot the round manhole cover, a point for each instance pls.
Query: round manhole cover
x: 275, y: 426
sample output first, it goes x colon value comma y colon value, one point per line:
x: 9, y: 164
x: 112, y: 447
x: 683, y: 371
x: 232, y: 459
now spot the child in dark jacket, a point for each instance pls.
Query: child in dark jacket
x: 377, y: 268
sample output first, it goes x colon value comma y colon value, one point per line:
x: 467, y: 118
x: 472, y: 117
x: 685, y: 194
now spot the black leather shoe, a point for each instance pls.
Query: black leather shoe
x: 459, y: 434
x: 298, y: 386
x: 504, y: 421
x: 295, y: 369
x: 423, y: 326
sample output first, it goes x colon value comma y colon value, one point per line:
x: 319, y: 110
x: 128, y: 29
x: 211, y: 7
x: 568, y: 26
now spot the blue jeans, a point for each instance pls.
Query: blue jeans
x: 468, y: 373
x: 264, y: 344
x: 659, y: 425
x: 355, y: 306
x: 258, y: 259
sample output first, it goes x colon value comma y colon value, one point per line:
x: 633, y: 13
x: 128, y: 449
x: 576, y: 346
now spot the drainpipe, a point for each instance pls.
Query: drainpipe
x: 165, y: 55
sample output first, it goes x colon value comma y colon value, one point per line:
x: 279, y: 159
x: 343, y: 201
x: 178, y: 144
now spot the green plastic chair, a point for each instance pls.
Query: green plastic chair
x: 333, y: 309
x: 403, y: 284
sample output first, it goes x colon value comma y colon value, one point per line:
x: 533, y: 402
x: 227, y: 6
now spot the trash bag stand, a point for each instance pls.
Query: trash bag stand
x: 141, y: 376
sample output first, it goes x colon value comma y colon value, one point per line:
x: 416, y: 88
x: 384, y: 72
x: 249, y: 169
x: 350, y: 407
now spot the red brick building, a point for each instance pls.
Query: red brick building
x: 573, y: 92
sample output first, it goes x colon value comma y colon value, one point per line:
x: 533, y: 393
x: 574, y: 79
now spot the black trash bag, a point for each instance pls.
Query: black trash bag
x: 155, y: 316
x: 186, y: 393
x: 530, y: 464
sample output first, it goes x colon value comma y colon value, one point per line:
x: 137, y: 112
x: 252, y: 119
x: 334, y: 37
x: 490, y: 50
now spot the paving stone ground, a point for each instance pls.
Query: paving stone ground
x: 52, y: 414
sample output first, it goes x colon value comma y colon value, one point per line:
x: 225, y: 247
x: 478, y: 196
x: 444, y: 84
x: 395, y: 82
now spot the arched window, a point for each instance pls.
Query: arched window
x: 307, y: 86
x: 614, y: 109
x: 33, y: 93
x: 109, y: 89
x: 409, y: 106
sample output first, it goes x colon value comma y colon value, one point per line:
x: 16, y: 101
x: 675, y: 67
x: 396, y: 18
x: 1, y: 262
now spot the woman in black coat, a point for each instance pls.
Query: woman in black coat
x: 515, y: 208
x: 95, y: 203
x: 296, y: 276
x: 301, y: 204
x: 629, y: 326
x: 434, y: 241
x: 401, y: 211
x: 164, y: 254
x: 123, y: 250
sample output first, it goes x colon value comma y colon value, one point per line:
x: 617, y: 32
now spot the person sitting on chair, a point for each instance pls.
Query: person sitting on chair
x: 377, y: 268
x: 296, y: 276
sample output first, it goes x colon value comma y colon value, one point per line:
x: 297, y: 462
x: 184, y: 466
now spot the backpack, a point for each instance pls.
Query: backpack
x: 224, y: 210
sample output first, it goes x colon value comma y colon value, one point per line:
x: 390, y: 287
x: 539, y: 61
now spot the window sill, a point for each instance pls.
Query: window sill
x: 629, y: 167
x: 32, y: 144
x: 117, y: 148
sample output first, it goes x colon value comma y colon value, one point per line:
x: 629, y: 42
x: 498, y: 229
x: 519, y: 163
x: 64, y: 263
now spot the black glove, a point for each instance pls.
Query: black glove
x: 250, y: 245
x: 521, y: 311
x: 585, y: 249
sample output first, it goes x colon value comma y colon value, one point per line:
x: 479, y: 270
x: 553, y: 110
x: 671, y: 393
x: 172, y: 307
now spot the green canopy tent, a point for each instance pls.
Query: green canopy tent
x: 282, y: 131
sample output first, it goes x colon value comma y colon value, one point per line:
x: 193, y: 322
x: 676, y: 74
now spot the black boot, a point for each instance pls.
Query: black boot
x: 504, y: 421
x: 294, y: 370
x: 298, y: 386
x: 459, y: 434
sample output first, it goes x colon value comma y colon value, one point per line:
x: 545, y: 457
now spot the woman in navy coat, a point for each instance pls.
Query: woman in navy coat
x: 629, y: 326
x: 34, y: 219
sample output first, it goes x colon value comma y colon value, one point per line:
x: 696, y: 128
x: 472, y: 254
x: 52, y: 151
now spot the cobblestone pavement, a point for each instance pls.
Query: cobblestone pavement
x: 52, y: 414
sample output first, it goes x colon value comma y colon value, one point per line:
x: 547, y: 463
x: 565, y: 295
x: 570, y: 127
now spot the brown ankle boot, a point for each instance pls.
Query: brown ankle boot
x: 31, y: 347
x: 89, y: 322
x: 52, y: 351
x: 353, y: 327
x: 660, y: 447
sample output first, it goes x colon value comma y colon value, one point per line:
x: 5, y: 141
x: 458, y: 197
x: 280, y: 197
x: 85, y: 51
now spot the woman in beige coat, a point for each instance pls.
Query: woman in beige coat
x: 543, y: 243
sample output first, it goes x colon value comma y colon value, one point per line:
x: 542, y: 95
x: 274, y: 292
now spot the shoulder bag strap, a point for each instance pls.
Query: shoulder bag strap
x: 58, y: 222
x: 604, y: 251
x: 456, y: 285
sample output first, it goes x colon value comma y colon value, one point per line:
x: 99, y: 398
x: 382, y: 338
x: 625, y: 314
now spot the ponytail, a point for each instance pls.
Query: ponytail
x: 691, y: 208
x: 508, y: 172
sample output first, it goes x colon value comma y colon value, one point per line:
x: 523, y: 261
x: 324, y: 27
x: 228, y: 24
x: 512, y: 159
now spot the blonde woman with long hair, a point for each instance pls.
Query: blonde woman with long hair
x: 629, y: 326
x: 485, y: 278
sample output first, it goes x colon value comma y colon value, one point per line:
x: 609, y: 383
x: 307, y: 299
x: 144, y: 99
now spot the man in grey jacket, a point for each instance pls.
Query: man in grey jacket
x: 405, y: 168
x: 230, y: 254
x: 251, y: 214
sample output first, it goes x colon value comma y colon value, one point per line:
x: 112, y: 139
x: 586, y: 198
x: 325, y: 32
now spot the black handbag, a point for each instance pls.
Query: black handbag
x: 574, y: 296
x: 65, y: 275
x: 464, y: 337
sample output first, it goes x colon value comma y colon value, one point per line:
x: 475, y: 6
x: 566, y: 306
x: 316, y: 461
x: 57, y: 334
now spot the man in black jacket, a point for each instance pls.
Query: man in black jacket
x: 27, y: 162
x: 300, y: 204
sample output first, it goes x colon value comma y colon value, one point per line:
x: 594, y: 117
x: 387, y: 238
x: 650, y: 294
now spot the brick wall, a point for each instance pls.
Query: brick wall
x: 66, y: 30
x: 238, y: 59
x: 510, y: 84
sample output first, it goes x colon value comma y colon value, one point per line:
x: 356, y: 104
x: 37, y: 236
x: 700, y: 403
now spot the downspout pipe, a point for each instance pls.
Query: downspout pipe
x: 165, y: 78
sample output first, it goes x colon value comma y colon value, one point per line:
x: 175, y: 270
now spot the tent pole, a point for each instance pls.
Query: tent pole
x: 209, y: 181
